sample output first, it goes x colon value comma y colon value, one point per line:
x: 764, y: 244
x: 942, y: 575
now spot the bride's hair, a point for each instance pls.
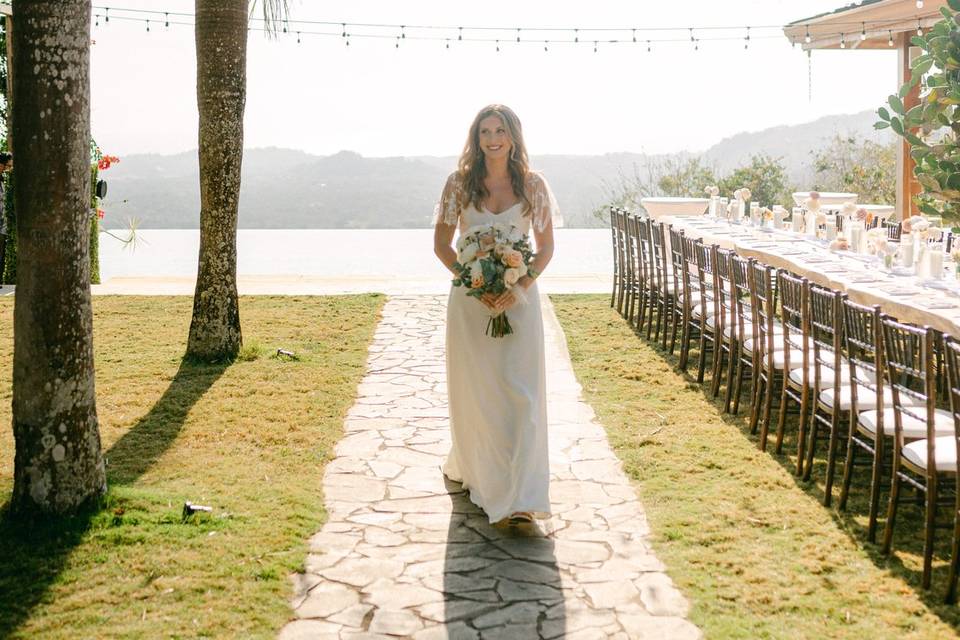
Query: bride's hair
x: 473, y: 169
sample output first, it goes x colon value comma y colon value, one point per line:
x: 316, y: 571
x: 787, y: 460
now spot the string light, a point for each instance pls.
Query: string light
x: 843, y: 45
x: 448, y: 43
x: 476, y: 34
x: 594, y: 46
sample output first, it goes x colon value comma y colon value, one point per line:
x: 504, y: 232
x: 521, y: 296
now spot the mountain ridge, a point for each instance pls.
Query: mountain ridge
x: 287, y: 188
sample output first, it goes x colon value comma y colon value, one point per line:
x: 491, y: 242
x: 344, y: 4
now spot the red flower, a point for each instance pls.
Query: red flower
x: 100, y: 213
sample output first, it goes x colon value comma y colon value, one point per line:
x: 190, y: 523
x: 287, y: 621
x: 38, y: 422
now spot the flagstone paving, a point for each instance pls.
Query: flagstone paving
x: 404, y: 552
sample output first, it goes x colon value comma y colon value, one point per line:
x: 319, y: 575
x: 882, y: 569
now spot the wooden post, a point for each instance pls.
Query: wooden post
x: 907, y: 185
x: 8, y: 25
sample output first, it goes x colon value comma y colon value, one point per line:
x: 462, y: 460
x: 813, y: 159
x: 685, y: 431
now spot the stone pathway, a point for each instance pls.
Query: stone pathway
x: 404, y: 552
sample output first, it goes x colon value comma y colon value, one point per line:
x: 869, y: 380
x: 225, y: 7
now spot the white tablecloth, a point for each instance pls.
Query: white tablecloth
x: 924, y: 302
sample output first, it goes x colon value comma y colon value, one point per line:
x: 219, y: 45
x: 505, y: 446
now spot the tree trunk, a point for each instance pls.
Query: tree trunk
x: 58, y: 465
x: 221, y: 36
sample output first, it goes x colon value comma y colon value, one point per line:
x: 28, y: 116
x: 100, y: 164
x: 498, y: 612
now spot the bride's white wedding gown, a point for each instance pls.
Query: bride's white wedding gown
x: 497, y: 395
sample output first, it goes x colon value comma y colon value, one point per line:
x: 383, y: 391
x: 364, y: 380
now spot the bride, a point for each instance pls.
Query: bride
x: 497, y: 396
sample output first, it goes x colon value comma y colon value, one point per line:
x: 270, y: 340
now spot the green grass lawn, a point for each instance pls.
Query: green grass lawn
x: 249, y: 439
x: 753, y: 548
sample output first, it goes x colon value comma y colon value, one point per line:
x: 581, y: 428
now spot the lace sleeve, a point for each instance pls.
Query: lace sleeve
x: 447, y: 210
x: 545, y: 207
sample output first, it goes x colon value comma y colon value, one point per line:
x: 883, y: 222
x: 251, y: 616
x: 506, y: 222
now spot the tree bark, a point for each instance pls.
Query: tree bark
x: 58, y: 464
x: 221, y: 37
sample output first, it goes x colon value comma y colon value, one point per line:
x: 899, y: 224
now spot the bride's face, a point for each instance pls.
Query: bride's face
x: 495, y: 140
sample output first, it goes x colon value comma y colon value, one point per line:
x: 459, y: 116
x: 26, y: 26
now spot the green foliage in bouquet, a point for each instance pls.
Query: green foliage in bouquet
x: 936, y: 146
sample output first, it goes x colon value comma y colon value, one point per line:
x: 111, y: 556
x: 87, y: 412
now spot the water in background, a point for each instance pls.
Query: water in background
x: 331, y: 253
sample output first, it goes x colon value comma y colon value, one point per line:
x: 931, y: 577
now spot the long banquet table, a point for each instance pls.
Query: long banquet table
x: 906, y: 297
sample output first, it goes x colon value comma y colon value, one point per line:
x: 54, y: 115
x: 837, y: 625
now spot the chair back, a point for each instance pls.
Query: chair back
x: 826, y: 335
x: 893, y: 230
x: 951, y: 353
x: 795, y: 319
x: 764, y: 311
x: 740, y: 270
x: 658, y: 244
x: 911, y: 373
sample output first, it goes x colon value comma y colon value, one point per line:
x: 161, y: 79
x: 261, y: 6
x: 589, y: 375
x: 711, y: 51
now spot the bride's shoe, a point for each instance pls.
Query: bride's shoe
x: 521, y: 517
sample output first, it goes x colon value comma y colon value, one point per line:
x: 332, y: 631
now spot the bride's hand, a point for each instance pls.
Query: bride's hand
x: 504, y: 301
x: 489, y: 300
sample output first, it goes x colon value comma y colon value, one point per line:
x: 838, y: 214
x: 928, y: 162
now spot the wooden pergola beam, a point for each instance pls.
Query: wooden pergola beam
x: 888, y: 25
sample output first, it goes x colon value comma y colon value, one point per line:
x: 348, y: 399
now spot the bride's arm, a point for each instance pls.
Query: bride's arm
x: 544, y: 240
x: 443, y: 244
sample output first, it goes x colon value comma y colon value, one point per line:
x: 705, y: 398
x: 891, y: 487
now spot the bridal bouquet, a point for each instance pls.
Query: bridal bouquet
x: 492, y: 259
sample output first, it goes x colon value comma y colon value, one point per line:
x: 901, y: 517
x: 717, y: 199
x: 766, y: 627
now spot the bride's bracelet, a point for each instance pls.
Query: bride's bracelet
x: 533, y: 273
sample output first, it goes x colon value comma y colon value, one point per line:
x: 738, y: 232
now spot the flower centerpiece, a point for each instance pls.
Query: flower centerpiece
x: 491, y: 259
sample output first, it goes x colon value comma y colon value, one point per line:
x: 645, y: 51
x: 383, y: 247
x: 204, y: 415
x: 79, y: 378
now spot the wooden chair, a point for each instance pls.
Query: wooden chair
x: 691, y: 297
x: 633, y: 275
x: 621, y: 258
x: 770, y: 358
x: 723, y: 325
x: 648, y: 286
x: 797, y: 381
x: 664, y: 284
x: 679, y: 286
x: 708, y: 307
x: 951, y: 352
x: 923, y: 464
x: 894, y: 230
x: 745, y: 330
x: 615, y: 243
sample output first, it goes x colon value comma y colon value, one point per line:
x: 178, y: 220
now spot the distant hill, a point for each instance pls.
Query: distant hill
x: 284, y: 188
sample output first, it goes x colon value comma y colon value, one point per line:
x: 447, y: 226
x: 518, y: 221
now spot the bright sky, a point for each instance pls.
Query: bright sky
x: 322, y: 96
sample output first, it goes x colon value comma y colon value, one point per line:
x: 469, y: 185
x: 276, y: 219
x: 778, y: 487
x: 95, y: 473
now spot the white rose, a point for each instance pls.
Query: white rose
x: 469, y: 252
x: 745, y: 193
x: 849, y: 209
x: 510, y: 276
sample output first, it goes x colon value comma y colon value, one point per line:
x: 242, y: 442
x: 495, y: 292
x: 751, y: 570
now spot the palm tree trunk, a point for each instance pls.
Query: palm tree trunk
x: 221, y: 37
x: 58, y: 465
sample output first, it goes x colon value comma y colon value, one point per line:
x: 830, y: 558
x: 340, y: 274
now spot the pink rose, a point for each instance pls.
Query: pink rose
x: 510, y: 276
x: 512, y: 258
x: 487, y: 241
x: 476, y: 280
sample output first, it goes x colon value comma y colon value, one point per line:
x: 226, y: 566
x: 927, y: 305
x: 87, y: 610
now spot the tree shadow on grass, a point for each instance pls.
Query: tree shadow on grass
x: 33, y: 555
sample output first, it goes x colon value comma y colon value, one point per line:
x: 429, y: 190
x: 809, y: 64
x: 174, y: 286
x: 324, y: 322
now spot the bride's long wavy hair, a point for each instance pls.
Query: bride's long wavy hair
x: 473, y: 169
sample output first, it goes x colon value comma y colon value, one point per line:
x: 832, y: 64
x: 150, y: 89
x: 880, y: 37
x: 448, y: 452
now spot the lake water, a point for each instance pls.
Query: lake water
x: 332, y: 253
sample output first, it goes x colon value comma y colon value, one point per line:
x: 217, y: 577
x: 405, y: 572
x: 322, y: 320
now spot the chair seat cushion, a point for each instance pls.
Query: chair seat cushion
x: 866, y: 398
x: 912, y: 427
x: 945, y: 453
x: 828, y: 375
x: 696, y: 311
